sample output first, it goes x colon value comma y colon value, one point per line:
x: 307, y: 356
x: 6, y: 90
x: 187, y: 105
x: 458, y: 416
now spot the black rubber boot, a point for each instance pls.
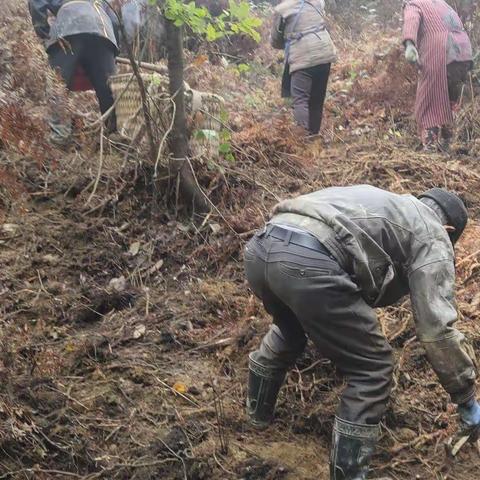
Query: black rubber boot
x: 431, y: 139
x: 263, y: 386
x: 352, y: 448
x: 446, y: 137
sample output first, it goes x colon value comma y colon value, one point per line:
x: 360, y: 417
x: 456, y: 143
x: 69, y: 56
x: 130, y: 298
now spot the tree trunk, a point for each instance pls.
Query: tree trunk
x: 178, y: 141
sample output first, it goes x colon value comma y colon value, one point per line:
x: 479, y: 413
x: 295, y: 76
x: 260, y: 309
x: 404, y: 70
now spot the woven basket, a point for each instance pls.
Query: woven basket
x: 203, y: 111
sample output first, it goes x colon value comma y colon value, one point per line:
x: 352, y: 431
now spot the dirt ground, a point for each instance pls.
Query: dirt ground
x: 125, y: 326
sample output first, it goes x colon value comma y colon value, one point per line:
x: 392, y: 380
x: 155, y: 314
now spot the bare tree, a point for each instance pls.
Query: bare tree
x: 180, y: 164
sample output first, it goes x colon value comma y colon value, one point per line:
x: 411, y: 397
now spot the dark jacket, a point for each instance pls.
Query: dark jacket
x: 393, y: 245
x: 73, y: 17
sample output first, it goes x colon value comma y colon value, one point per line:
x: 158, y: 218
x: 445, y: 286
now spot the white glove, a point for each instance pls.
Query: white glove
x: 411, y: 52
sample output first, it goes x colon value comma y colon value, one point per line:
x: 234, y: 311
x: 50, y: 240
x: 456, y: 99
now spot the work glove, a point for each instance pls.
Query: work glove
x: 470, y: 418
x: 411, y: 52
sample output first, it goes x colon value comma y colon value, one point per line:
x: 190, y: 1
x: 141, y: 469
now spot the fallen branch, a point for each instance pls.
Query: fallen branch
x: 147, y: 66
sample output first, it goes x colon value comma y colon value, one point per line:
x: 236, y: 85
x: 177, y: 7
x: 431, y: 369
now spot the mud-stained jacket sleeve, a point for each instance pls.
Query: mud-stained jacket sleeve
x: 412, y: 17
x: 39, y: 13
x: 432, y: 292
x: 278, y: 32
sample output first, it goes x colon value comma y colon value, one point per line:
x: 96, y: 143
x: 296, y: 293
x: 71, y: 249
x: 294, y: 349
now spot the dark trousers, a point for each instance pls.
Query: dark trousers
x: 97, y: 57
x: 309, y: 295
x: 309, y: 88
x: 457, y: 76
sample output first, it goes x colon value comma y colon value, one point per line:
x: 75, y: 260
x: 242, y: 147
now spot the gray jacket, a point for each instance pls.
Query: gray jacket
x: 73, y: 17
x: 300, y: 27
x: 393, y: 245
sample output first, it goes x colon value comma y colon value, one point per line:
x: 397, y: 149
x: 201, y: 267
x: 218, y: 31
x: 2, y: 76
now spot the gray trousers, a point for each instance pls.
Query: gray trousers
x: 309, y: 295
x: 309, y: 89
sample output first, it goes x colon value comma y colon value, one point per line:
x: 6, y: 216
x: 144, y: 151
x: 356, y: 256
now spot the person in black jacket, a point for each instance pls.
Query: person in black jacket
x: 81, y: 41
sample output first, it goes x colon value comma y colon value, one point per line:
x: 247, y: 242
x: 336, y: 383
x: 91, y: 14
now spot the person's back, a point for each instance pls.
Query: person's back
x: 390, y: 219
x: 379, y: 236
x: 306, y: 50
x: 73, y: 17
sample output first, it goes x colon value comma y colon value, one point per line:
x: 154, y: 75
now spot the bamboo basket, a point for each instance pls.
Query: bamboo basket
x: 203, y: 111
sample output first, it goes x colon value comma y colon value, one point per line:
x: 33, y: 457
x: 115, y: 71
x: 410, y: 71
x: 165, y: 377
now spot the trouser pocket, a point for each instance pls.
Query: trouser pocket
x: 299, y: 271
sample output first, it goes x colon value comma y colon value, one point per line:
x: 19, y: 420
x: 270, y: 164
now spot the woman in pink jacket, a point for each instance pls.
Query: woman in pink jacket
x: 435, y: 40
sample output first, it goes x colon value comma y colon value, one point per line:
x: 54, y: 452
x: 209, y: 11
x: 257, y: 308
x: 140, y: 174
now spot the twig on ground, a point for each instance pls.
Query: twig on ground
x: 100, y: 167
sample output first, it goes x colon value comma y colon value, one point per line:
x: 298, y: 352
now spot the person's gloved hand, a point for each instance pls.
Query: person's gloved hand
x: 470, y: 413
x: 470, y: 420
x: 411, y: 52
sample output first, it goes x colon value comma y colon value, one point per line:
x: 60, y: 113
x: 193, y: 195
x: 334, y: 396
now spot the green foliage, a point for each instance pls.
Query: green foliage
x: 207, y: 135
x: 243, y: 68
x: 155, y: 79
x: 225, y: 148
x: 224, y: 137
x: 181, y: 13
x: 241, y: 20
x: 237, y: 19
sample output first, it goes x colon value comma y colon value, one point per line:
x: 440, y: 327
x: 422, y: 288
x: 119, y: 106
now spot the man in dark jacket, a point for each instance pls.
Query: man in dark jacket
x: 81, y: 39
x: 321, y: 266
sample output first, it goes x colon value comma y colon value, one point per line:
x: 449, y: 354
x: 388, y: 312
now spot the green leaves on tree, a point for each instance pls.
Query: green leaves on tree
x: 237, y: 19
